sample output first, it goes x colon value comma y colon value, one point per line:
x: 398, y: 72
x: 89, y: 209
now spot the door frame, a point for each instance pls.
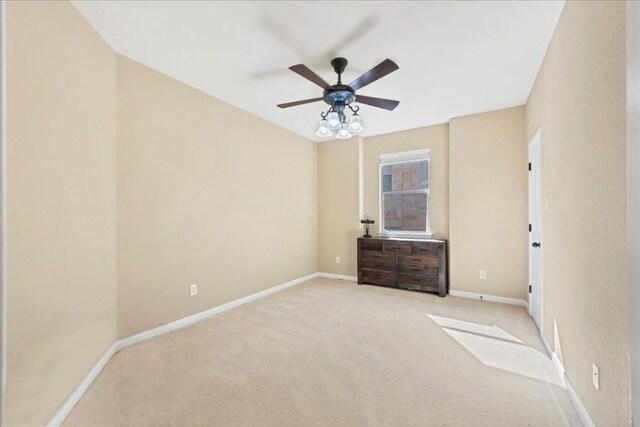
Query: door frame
x: 536, y: 139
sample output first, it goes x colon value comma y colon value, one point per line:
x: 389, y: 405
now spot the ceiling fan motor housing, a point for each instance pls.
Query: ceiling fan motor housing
x: 339, y: 95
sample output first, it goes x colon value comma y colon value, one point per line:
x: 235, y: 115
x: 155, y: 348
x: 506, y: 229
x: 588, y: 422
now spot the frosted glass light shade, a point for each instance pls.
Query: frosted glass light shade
x: 333, y: 121
x: 355, y: 125
x: 343, y: 133
x: 323, y: 131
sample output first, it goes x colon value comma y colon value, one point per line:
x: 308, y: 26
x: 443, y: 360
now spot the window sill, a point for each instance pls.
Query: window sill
x: 388, y: 234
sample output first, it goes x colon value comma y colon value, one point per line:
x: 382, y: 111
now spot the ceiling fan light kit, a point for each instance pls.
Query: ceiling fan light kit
x: 323, y: 129
x: 343, y: 133
x: 340, y: 97
x: 355, y: 124
x: 333, y: 120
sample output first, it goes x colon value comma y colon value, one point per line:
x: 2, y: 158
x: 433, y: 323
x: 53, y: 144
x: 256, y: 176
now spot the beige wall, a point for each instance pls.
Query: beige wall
x: 436, y: 138
x: 348, y: 189
x: 488, y: 203
x: 207, y: 194
x: 61, y: 196
x: 230, y: 207
x: 478, y: 165
x: 579, y: 101
x: 338, y: 205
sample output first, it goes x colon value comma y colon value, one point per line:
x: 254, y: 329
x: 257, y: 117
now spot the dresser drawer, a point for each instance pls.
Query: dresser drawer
x: 418, y: 270
x: 371, y: 246
x: 422, y: 249
x: 377, y: 265
x: 418, y: 282
x: 378, y: 277
x: 399, y: 248
x: 378, y: 256
x: 425, y: 261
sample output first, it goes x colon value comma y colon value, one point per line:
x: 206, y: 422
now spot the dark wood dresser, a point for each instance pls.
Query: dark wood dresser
x: 414, y: 264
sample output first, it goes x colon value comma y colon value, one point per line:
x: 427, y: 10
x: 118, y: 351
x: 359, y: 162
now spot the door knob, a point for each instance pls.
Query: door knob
x: 536, y: 244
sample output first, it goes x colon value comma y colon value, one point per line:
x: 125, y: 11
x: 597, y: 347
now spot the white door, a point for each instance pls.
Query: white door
x: 535, y: 229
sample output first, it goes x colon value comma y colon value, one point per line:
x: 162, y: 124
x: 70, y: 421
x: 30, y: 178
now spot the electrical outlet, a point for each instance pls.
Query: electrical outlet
x: 337, y: 260
x: 596, y: 377
x: 193, y: 290
x: 483, y: 274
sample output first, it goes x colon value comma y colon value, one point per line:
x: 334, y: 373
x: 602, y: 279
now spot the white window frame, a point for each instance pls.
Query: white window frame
x: 403, y: 157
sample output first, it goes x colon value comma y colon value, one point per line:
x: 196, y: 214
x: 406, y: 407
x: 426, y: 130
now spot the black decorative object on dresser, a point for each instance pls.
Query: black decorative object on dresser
x: 415, y: 264
x: 367, y: 222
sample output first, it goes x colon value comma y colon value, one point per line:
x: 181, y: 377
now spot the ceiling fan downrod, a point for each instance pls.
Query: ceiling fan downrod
x: 339, y: 65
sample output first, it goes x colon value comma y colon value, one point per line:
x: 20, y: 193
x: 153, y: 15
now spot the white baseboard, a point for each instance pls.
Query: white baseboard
x: 546, y: 345
x: 554, y: 358
x: 582, y: 410
x: 575, y: 399
x: 558, y: 365
x: 186, y: 321
x: 338, y: 276
x: 66, y: 408
x: 484, y: 297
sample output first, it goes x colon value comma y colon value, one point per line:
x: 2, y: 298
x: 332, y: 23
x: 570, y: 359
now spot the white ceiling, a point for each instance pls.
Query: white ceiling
x: 455, y: 58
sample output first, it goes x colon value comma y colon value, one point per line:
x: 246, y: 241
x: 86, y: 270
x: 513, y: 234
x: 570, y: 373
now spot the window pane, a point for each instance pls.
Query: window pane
x: 392, y: 177
x: 405, y: 176
x: 414, y: 208
x: 387, y: 178
x: 415, y: 175
x: 393, y: 212
x: 405, y: 212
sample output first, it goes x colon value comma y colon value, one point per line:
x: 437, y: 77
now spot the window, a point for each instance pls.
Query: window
x: 404, y: 193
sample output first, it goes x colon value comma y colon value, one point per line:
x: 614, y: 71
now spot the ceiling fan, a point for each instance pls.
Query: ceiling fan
x: 341, y: 96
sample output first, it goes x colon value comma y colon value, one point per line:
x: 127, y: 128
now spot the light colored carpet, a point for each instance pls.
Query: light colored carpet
x: 332, y: 353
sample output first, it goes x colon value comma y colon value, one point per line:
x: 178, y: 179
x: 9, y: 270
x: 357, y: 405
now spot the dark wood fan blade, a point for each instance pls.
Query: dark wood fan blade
x: 382, y: 69
x: 305, y: 72
x: 387, y: 104
x: 294, y: 103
